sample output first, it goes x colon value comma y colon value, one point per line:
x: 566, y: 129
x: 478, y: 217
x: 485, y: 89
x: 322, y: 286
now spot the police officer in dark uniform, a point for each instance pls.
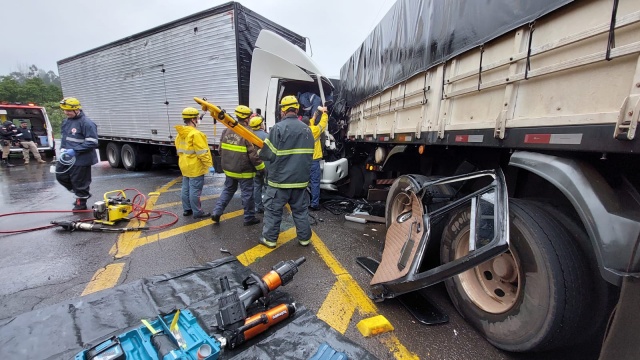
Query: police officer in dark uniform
x: 289, y: 150
x: 79, y: 142
x: 8, y: 132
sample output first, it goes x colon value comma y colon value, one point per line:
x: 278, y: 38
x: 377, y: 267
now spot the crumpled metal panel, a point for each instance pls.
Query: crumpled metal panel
x: 416, y: 35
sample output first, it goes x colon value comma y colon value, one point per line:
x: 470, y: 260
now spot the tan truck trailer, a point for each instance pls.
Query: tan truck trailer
x: 554, y: 103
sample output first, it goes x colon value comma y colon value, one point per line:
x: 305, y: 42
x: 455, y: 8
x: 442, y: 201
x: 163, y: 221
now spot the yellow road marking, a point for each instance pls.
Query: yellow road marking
x: 398, y: 350
x: 345, y: 280
x: 178, y: 203
x: 168, y: 185
x: 355, y: 294
x: 259, y: 251
x: 337, y: 309
x: 173, y: 190
x: 104, y: 278
x: 126, y: 246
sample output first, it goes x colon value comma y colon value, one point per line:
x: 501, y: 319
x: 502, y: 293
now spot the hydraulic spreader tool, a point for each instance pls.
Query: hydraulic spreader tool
x: 219, y: 114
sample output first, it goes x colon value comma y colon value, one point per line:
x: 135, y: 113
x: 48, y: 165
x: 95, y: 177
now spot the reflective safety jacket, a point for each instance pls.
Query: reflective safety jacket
x: 289, y: 150
x: 194, y: 156
x: 81, y: 135
x: 239, y: 157
x: 317, y: 131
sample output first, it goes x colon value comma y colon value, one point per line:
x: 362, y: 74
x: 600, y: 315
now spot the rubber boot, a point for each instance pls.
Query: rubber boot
x: 81, y: 204
x: 5, y: 162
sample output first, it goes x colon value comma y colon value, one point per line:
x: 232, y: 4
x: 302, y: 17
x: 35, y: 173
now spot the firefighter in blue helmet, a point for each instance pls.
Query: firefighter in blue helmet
x: 79, y: 142
x: 289, y: 151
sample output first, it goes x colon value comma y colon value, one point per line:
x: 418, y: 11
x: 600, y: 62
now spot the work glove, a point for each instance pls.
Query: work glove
x: 212, y: 169
x: 70, y: 152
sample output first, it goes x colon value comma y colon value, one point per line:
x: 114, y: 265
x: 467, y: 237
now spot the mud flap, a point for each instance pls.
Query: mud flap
x: 418, y: 304
x: 622, y: 335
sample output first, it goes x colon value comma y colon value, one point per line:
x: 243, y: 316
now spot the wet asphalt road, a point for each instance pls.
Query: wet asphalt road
x: 48, y: 266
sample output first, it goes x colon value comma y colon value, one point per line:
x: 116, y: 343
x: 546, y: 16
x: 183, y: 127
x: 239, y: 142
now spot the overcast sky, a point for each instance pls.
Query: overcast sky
x: 41, y: 32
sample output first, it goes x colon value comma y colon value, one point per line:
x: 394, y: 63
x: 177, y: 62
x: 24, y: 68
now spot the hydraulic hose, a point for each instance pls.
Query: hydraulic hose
x: 140, y: 213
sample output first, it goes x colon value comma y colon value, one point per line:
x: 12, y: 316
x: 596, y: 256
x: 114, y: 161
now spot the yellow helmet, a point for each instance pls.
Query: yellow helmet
x: 190, y: 113
x: 255, y: 122
x: 288, y: 102
x: 70, y: 103
x: 242, y: 112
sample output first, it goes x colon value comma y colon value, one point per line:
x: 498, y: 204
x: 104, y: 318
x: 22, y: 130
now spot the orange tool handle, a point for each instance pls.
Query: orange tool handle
x: 273, y: 316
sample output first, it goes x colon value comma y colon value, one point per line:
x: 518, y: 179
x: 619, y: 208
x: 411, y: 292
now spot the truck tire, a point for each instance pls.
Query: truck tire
x: 535, y: 296
x: 130, y: 159
x: 114, y: 151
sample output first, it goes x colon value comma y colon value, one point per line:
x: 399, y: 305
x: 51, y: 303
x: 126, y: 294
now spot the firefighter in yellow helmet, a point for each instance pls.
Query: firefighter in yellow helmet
x: 194, y: 160
x: 317, y: 128
x: 257, y: 125
x: 289, y: 150
x: 79, y: 141
x: 240, y: 163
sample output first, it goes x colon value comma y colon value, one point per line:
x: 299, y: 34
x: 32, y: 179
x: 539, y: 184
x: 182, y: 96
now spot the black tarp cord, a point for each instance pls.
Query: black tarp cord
x: 532, y: 28
x: 425, y: 88
x: 611, y: 43
x: 391, y: 97
x: 404, y: 95
x: 480, y: 67
x: 444, y: 75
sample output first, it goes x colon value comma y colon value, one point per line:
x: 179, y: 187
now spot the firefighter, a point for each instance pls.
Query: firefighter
x: 194, y: 160
x: 257, y: 125
x: 289, y: 150
x: 79, y: 142
x: 317, y: 131
x: 240, y: 162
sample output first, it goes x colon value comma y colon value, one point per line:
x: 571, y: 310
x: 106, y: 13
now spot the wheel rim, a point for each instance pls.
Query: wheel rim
x: 127, y: 157
x: 493, y: 286
x: 111, y: 154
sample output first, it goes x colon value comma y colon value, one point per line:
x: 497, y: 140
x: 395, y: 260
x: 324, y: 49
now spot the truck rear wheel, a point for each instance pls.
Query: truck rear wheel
x: 533, y: 297
x: 130, y: 157
x: 113, y: 154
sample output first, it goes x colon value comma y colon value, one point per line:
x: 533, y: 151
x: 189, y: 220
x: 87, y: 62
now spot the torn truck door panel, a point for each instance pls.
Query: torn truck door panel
x: 409, y: 233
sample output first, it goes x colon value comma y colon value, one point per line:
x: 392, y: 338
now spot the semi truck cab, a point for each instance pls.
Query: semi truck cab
x: 280, y: 68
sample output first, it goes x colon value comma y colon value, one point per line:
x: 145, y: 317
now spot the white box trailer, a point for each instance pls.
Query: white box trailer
x: 135, y: 88
x: 545, y: 92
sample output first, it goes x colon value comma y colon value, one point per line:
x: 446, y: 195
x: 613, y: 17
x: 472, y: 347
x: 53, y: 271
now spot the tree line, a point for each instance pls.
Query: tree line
x: 34, y: 85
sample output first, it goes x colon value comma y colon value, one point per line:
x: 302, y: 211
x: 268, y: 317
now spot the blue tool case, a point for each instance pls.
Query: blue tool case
x: 141, y: 344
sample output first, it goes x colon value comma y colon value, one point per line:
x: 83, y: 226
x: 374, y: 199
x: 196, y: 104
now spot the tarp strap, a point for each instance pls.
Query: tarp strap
x: 532, y: 28
x: 480, y: 67
x: 444, y: 75
x: 611, y: 42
